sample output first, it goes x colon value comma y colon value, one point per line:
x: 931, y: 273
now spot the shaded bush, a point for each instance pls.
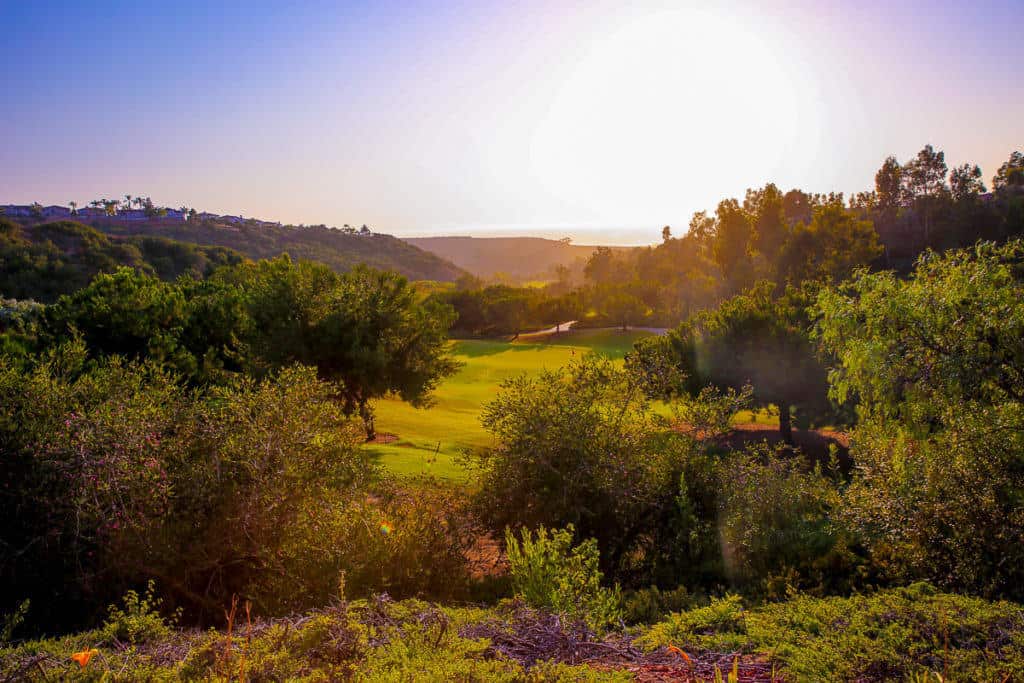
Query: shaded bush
x: 115, y: 474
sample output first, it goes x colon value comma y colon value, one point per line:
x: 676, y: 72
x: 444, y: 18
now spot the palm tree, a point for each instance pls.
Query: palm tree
x: 128, y: 201
x: 74, y: 207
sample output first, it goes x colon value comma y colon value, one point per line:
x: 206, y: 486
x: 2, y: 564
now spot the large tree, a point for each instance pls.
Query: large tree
x: 366, y: 330
x: 751, y: 340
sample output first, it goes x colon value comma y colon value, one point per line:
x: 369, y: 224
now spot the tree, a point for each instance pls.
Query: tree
x: 620, y: 306
x: 365, y: 331
x: 576, y: 445
x: 1011, y: 174
x: 936, y: 364
x: 796, y: 205
x: 732, y: 242
x: 888, y: 185
x: 666, y: 233
x: 765, y: 206
x: 750, y: 340
x: 924, y: 184
x: 601, y: 267
x: 506, y: 308
x: 965, y: 182
x: 829, y: 248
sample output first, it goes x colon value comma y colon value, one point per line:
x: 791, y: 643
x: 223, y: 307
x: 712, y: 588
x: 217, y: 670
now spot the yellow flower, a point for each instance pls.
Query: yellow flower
x: 83, y: 657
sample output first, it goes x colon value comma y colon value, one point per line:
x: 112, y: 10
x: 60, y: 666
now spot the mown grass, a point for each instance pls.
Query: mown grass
x: 430, y: 441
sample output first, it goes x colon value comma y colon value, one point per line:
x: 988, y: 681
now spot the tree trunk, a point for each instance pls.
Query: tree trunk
x: 785, y: 424
x: 366, y: 412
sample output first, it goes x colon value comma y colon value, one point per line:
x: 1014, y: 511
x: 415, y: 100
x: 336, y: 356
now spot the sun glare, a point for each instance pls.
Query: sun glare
x: 672, y: 98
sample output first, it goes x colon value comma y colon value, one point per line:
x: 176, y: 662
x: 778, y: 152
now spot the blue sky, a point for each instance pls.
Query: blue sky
x: 598, y: 120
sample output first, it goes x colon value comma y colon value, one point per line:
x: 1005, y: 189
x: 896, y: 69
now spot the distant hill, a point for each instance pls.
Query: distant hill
x: 522, y: 258
x: 338, y: 249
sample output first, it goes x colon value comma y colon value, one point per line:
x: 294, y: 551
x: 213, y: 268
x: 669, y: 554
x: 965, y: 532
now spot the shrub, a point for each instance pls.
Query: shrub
x: 549, y: 572
x: 118, y: 475
x: 139, y: 620
x: 411, y: 542
x: 648, y: 605
x: 775, y: 521
x: 580, y: 446
x: 710, y: 627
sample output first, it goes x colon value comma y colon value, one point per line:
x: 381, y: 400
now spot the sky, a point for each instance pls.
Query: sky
x: 600, y: 121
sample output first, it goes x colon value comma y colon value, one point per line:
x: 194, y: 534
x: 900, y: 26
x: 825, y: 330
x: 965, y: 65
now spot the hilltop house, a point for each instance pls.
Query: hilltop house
x: 56, y: 212
x: 16, y: 210
x: 132, y: 214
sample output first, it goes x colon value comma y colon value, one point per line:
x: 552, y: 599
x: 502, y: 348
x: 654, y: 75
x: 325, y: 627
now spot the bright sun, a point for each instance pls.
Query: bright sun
x: 673, y: 97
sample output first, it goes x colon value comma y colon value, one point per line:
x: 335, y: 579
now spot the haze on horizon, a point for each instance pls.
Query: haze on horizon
x: 594, y: 120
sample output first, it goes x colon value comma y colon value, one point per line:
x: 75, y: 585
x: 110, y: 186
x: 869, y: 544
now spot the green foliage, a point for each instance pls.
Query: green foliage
x: 648, y: 605
x: 339, y: 249
x: 139, y: 621
x: 890, y: 635
x: 46, y: 261
x: 703, y: 627
x: 120, y: 475
x: 776, y: 524
x: 578, y: 446
x: 549, y: 572
x: 751, y: 340
x: 12, y: 620
x: 365, y: 331
x: 829, y: 248
x: 412, y: 543
x: 936, y: 362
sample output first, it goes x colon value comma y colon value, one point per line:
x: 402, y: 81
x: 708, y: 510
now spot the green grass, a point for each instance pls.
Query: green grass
x: 430, y: 441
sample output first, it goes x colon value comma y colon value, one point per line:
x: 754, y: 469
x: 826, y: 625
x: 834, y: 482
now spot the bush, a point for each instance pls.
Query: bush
x: 648, y: 605
x: 117, y: 475
x: 936, y: 361
x: 579, y: 445
x: 549, y: 572
x: 775, y: 523
x: 412, y: 542
x: 140, y: 619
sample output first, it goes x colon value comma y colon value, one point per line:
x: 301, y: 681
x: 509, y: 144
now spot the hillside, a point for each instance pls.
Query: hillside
x: 522, y: 258
x: 44, y: 261
x: 338, y: 249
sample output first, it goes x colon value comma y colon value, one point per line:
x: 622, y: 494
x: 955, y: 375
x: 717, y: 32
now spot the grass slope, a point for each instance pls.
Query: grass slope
x: 429, y: 441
